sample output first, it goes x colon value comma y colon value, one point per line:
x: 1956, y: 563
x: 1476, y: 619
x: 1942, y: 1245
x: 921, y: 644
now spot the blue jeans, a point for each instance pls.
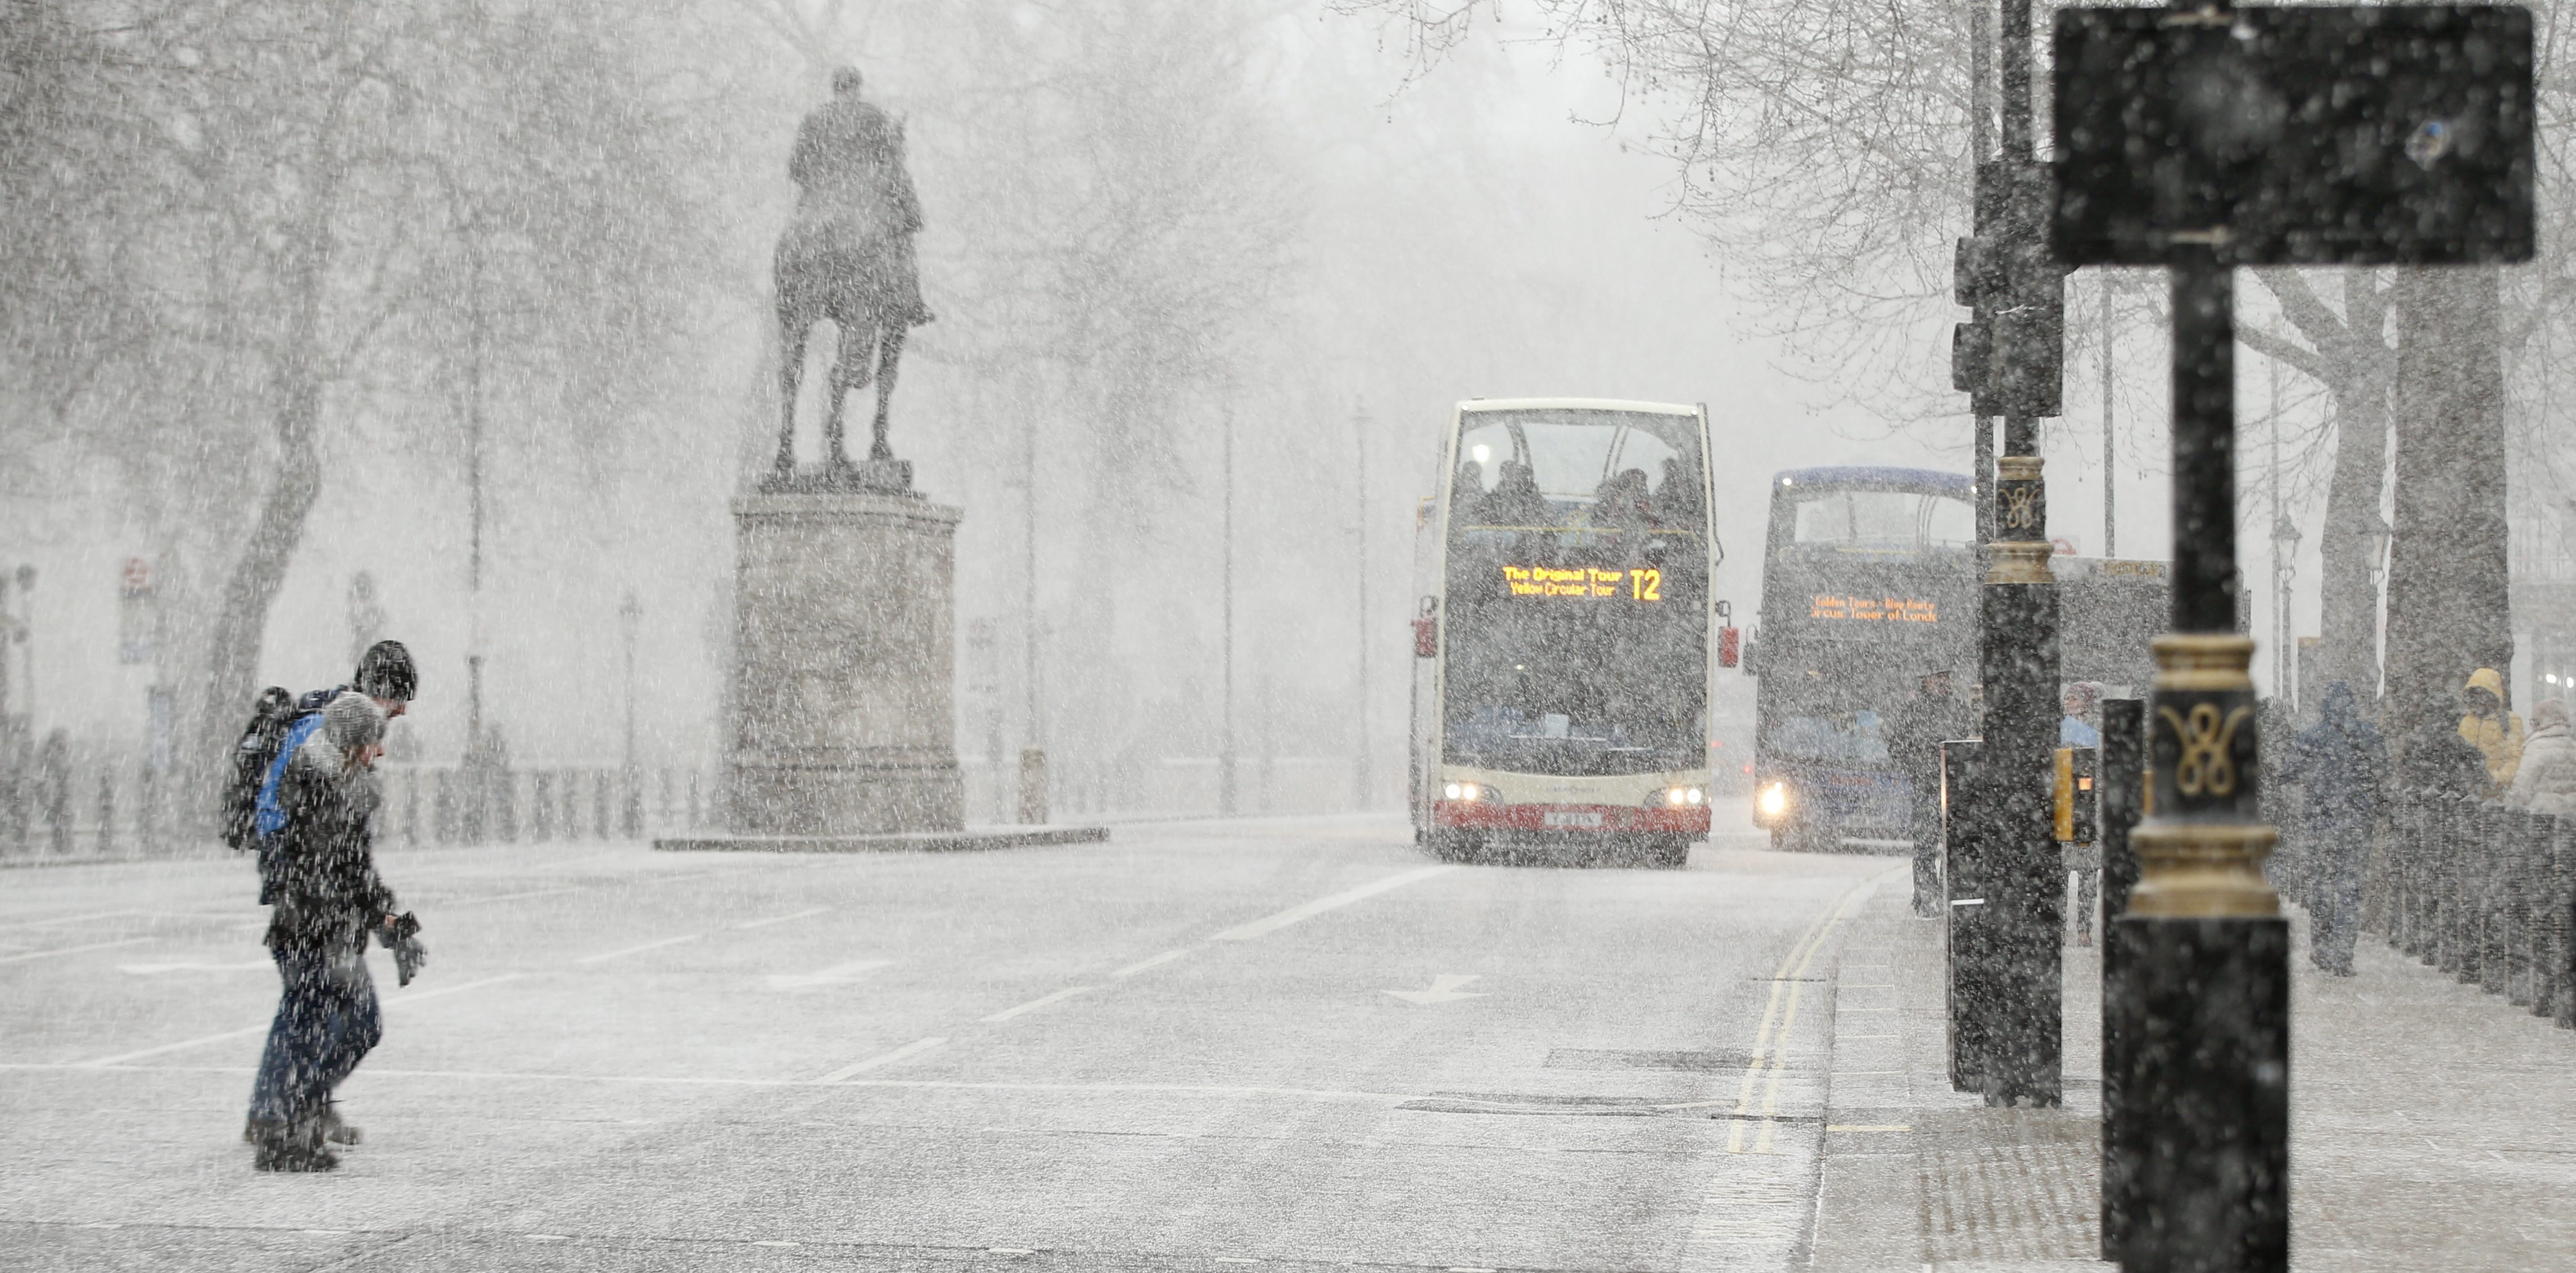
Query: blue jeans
x: 327, y: 1022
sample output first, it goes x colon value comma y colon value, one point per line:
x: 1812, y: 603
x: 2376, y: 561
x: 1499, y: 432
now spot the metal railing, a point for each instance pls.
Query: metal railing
x: 2487, y: 893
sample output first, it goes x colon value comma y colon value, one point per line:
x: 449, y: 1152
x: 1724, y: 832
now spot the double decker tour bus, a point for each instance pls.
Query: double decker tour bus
x: 1869, y: 584
x: 1560, y: 706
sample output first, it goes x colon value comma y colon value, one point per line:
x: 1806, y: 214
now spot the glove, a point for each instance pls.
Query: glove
x: 401, y: 935
x: 409, y: 956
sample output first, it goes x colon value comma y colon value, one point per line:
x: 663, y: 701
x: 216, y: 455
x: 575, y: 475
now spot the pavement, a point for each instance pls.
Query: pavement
x: 1257, y: 1043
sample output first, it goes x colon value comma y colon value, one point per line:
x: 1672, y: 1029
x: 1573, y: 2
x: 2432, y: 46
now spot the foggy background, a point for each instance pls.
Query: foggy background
x: 1148, y: 221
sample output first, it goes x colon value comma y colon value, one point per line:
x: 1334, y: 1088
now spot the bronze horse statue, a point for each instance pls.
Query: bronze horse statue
x: 823, y: 272
x: 847, y: 257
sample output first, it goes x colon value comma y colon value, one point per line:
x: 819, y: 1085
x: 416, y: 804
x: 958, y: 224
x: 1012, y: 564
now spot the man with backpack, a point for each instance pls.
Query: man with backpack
x: 305, y: 798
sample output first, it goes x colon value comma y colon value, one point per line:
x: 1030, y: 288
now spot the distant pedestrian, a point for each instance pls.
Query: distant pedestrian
x: 2546, y: 780
x: 2495, y: 732
x: 2341, y: 761
x: 326, y: 901
x: 2435, y: 761
x: 1914, y: 735
x: 2082, y: 724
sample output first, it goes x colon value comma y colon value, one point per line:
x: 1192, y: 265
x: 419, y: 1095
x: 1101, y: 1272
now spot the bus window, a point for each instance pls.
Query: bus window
x: 1547, y: 468
x: 1904, y: 521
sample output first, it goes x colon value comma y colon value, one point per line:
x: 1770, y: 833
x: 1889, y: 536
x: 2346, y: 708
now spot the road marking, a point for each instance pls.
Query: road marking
x: 506, y: 897
x: 778, y: 1244
x: 1769, y: 1044
x: 781, y: 919
x: 405, y: 1000
x: 1039, y: 1002
x: 1272, y: 924
x: 690, y: 1080
x: 66, y: 919
x: 146, y: 970
x: 914, y: 1048
x: 71, y: 950
x: 637, y: 950
x: 1444, y: 989
x: 1010, y: 1250
x: 836, y: 975
x: 1155, y: 962
x: 1868, y: 1127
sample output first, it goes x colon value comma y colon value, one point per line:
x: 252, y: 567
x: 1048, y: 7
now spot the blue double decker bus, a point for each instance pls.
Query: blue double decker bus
x: 1869, y: 584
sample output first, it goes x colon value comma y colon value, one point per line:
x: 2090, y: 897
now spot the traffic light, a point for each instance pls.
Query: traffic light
x: 2010, y: 358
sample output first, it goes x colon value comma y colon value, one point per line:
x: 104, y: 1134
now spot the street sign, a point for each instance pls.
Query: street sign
x: 2397, y: 134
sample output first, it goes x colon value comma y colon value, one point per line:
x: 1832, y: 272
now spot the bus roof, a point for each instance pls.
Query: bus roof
x: 1575, y: 404
x: 1878, y: 477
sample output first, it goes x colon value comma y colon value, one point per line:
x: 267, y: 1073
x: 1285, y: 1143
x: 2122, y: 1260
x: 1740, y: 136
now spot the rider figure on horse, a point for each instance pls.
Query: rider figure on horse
x: 856, y: 194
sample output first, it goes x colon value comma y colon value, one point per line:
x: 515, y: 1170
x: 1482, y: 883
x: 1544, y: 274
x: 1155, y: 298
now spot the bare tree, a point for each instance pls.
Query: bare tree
x: 261, y: 212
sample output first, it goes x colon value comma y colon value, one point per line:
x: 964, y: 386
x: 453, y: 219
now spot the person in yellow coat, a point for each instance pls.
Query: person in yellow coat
x: 2496, y: 732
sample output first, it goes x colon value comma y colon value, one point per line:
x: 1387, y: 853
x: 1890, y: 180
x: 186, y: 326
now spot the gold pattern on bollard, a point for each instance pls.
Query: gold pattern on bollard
x: 2206, y: 768
x: 2203, y: 870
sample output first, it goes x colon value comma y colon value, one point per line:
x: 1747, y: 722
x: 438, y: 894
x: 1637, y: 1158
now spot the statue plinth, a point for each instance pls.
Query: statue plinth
x: 866, y: 477
x: 844, y: 669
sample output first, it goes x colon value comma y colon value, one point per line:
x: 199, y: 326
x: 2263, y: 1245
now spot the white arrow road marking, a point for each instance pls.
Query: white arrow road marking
x: 146, y: 970
x: 1444, y: 988
x: 836, y: 975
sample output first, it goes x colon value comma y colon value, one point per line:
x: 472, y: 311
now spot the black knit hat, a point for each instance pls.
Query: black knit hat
x: 385, y: 671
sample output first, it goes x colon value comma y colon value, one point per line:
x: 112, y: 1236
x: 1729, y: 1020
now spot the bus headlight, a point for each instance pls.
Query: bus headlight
x: 1460, y: 791
x: 1695, y: 795
x: 1683, y: 795
x: 1774, y: 800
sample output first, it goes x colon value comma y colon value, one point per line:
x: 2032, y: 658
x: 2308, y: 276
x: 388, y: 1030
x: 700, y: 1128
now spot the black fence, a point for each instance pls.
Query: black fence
x: 2485, y: 892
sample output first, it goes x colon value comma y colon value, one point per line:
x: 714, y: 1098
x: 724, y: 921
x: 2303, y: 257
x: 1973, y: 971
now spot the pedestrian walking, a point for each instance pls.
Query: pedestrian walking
x: 2495, y: 732
x: 2340, y: 762
x: 326, y: 901
x: 2437, y: 761
x: 2546, y: 780
x: 1914, y: 735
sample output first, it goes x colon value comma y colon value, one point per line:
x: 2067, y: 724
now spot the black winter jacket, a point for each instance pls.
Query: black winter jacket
x: 322, y: 880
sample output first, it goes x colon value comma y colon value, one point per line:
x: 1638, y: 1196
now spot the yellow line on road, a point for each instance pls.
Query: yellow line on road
x: 1768, y: 1041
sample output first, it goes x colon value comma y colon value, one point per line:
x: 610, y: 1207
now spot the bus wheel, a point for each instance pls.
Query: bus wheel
x: 1668, y: 853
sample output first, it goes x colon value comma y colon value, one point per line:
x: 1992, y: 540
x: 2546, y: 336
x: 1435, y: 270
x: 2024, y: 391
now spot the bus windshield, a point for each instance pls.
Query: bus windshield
x: 1885, y: 521
x: 1577, y: 625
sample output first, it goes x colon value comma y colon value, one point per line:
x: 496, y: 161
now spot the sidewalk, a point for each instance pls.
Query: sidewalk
x: 2432, y: 1125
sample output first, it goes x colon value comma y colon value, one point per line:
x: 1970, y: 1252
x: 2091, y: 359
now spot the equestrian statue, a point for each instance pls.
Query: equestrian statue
x: 847, y: 257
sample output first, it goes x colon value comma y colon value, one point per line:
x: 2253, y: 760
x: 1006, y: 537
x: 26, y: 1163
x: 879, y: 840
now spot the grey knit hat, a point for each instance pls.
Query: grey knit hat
x: 353, y: 720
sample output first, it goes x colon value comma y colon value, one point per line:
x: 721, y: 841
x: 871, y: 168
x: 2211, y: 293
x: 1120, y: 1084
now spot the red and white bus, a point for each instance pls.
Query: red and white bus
x: 1566, y: 635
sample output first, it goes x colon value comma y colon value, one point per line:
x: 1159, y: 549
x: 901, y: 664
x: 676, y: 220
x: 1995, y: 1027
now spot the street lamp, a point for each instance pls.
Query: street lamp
x: 631, y: 616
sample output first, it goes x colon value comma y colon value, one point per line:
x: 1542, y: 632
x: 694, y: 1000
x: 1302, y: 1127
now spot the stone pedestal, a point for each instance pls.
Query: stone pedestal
x: 844, y: 668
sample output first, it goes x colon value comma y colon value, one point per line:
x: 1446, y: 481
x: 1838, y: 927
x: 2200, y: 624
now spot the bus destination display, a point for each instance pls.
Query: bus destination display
x: 1874, y: 609
x: 1644, y: 583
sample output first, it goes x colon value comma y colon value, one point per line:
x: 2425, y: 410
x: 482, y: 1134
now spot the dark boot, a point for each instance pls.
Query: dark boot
x: 295, y: 1146
x: 335, y: 1131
